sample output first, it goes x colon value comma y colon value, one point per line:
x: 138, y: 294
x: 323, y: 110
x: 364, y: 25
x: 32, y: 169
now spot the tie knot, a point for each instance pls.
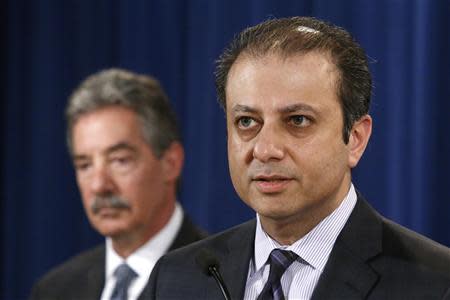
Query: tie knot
x: 124, y: 273
x: 280, y: 260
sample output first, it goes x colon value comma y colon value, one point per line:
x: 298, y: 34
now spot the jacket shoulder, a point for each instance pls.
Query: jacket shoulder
x: 55, y: 281
x: 415, y: 249
x: 216, y: 243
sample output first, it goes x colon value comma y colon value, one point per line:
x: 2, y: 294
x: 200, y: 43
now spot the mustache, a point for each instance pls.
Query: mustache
x: 108, y: 202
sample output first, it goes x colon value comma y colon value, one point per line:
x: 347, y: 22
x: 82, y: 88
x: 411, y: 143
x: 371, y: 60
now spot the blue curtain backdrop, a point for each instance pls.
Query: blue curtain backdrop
x: 50, y: 46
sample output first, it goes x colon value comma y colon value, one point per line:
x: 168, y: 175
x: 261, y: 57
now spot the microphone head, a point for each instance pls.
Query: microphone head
x: 206, y: 260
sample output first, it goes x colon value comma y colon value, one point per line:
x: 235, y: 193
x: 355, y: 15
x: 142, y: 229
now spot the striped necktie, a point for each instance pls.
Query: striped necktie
x: 124, y: 276
x: 279, y: 261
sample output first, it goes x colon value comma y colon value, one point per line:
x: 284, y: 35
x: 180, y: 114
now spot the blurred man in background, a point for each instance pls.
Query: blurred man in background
x: 125, y: 145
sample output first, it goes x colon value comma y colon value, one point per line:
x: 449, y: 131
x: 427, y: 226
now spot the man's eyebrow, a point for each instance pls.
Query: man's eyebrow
x: 78, y: 157
x: 297, y: 107
x: 243, y: 108
x: 239, y: 108
x: 116, y: 147
x: 120, y: 146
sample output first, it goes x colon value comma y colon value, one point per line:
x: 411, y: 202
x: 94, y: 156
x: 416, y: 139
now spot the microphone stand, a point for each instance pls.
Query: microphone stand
x: 215, y: 273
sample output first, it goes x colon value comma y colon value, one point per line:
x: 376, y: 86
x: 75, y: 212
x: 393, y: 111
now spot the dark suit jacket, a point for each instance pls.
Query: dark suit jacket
x: 83, y: 277
x: 373, y: 258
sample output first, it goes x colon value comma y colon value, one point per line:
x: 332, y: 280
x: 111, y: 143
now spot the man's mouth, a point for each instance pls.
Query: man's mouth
x: 107, y: 212
x: 271, y: 184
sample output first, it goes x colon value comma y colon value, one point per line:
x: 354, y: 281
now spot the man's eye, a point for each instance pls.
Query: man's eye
x: 299, y: 120
x: 245, y: 122
x: 82, y: 166
x: 121, y: 160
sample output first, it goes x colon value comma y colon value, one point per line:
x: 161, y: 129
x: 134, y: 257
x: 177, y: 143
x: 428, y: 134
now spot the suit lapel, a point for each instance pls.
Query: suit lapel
x: 347, y: 275
x: 344, y: 277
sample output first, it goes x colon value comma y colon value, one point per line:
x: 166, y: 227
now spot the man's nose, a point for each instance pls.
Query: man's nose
x: 101, y: 181
x: 268, y: 145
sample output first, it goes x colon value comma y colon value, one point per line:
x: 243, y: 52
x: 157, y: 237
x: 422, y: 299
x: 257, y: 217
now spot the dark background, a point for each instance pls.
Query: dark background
x: 48, y: 47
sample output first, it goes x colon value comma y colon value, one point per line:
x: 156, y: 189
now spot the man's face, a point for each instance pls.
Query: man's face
x: 112, y: 158
x: 286, y: 152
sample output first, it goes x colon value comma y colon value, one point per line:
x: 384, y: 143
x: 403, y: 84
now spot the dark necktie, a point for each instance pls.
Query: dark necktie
x: 279, y: 261
x: 124, y: 276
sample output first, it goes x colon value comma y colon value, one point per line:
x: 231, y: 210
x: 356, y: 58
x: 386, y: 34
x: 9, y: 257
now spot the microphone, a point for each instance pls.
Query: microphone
x: 210, y: 266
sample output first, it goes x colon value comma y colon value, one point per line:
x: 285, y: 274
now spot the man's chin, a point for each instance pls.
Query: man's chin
x: 280, y: 212
x: 112, y: 232
x: 110, y: 226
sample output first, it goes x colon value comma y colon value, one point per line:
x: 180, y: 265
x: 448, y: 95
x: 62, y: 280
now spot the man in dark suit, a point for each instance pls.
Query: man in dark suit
x: 125, y: 145
x: 296, y: 93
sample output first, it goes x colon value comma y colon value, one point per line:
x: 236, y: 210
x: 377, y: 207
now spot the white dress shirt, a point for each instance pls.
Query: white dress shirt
x: 143, y: 259
x: 313, y: 249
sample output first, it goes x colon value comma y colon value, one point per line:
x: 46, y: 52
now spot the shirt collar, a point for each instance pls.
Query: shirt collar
x: 315, y: 247
x: 144, y: 258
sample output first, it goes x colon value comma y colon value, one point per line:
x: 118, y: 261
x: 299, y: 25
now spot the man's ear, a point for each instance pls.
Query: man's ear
x: 173, y: 159
x: 358, y: 140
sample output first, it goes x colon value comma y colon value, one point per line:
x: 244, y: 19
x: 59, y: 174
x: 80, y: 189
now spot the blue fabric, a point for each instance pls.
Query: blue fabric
x: 124, y: 276
x: 50, y: 46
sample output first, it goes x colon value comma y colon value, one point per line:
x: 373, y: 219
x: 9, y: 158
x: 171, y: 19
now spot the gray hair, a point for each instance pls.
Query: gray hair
x: 140, y: 93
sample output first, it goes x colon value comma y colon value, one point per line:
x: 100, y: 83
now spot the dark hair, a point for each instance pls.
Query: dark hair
x: 299, y: 35
x: 140, y: 93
